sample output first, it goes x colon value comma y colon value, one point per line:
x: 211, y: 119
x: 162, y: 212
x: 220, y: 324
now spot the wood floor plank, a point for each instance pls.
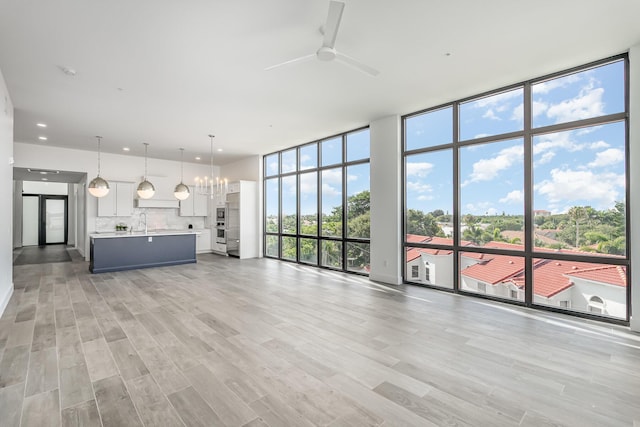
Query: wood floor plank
x: 110, y: 329
x: 42, y: 373
x: 84, y: 414
x: 89, y: 329
x: 37, y: 410
x: 229, y: 407
x: 192, y: 409
x: 11, y: 400
x: 114, y: 403
x: 127, y: 359
x: 75, y: 385
x: 166, y: 374
x: 152, y: 404
x: 20, y: 334
x: 27, y: 312
x: 13, y: 367
x: 100, y: 364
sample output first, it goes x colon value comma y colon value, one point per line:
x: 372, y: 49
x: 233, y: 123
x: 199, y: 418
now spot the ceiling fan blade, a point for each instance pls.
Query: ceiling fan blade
x: 292, y: 61
x: 356, y: 64
x: 332, y: 24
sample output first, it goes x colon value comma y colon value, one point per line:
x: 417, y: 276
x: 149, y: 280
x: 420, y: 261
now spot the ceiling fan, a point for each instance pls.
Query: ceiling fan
x: 327, y: 51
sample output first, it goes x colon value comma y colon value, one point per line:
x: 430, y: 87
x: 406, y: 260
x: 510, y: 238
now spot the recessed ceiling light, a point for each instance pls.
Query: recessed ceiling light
x: 42, y: 138
x: 197, y: 158
x: 41, y: 125
x: 45, y: 179
x: 219, y: 149
x: 126, y: 148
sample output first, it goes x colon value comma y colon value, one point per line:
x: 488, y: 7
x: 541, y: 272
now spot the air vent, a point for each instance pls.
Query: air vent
x: 43, y: 171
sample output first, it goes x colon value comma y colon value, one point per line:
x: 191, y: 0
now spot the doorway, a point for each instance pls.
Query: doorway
x: 44, y: 219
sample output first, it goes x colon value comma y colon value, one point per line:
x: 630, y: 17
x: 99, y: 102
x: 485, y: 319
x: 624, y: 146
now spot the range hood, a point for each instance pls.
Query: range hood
x: 164, y: 194
x: 157, y: 203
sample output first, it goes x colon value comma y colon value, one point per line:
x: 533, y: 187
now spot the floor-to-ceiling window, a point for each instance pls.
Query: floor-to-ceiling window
x: 316, y: 200
x: 521, y: 194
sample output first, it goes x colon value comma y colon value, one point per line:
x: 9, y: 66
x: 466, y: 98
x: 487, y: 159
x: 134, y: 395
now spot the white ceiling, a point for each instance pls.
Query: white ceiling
x: 169, y: 72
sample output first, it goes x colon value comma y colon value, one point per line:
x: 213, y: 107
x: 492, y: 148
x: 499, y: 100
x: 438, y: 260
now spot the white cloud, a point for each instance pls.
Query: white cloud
x: 488, y: 169
x: 518, y: 112
x: 482, y: 208
x: 550, y: 141
x: 607, y: 157
x: 332, y: 176
x: 308, y: 184
x: 515, y: 197
x: 598, y: 145
x: 330, y: 191
x: 424, y: 198
x: 566, y: 186
x: 480, y: 135
x: 273, y: 167
x: 489, y: 114
x: 587, y: 104
x: 546, y: 158
x: 419, y: 169
x: 418, y: 187
x: 546, y: 87
x: 497, y: 100
x: 538, y: 108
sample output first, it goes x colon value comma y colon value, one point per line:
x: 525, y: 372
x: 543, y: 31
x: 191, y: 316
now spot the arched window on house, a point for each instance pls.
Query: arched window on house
x: 596, y: 305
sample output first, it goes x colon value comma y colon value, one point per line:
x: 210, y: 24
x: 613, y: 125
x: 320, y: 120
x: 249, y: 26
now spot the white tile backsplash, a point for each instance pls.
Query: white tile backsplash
x: 157, y: 219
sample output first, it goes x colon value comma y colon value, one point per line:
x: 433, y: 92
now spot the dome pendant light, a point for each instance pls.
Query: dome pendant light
x: 181, y: 191
x: 146, y: 190
x: 98, y: 187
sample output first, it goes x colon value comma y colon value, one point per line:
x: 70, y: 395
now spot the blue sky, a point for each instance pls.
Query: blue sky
x: 357, y: 176
x: 578, y: 167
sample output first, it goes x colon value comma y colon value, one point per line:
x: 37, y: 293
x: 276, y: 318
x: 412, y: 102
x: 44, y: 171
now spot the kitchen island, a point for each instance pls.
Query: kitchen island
x: 127, y: 251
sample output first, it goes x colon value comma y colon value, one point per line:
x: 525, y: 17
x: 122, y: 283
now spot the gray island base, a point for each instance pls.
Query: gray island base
x: 113, y: 252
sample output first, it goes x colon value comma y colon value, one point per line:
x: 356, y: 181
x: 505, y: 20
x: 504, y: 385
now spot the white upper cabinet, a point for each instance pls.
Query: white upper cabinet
x: 119, y: 200
x: 195, y: 205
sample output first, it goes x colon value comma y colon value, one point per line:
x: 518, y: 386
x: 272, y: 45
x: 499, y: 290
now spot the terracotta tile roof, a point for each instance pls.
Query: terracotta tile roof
x: 440, y: 240
x: 495, y: 270
x: 415, y: 238
x: 549, y: 278
x: 610, y: 274
x: 412, y: 253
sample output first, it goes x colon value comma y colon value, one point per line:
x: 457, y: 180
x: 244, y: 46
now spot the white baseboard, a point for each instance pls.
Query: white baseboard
x: 384, y: 278
x: 4, y: 300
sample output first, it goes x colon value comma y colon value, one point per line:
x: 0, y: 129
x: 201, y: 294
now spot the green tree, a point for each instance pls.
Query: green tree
x: 577, y: 214
x: 422, y: 224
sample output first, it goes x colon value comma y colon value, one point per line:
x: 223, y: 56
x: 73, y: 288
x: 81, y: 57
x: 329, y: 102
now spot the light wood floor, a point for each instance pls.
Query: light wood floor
x: 264, y: 343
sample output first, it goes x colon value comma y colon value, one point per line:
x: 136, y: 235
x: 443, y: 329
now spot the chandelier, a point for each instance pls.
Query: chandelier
x: 215, y: 190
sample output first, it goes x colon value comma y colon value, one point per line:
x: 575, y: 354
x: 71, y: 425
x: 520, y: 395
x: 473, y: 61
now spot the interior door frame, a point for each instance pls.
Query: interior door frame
x: 42, y: 217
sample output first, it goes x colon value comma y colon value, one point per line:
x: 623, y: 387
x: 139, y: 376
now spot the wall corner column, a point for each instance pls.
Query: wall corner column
x: 386, y: 200
x: 634, y: 186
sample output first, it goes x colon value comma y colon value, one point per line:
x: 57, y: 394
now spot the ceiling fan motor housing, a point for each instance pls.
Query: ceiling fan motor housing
x: 326, y: 53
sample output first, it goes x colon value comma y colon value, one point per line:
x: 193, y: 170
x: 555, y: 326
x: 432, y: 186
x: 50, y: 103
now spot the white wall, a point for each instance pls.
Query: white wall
x: 6, y: 195
x: 114, y: 167
x: 386, y: 237
x: 634, y: 187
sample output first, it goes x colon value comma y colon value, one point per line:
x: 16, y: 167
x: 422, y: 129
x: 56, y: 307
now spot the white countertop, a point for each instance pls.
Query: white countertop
x: 112, y: 234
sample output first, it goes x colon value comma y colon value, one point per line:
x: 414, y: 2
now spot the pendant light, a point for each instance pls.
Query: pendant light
x: 146, y: 190
x: 98, y: 187
x: 181, y: 191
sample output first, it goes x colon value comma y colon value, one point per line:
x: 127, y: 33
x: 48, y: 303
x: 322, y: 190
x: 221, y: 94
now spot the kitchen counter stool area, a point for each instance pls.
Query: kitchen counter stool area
x: 117, y: 252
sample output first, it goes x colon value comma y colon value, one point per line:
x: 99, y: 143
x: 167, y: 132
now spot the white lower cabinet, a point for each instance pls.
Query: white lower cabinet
x: 203, y: 241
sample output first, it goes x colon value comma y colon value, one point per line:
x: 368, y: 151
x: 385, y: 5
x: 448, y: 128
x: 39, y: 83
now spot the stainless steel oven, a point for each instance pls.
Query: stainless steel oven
x: 221, y: 235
